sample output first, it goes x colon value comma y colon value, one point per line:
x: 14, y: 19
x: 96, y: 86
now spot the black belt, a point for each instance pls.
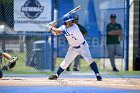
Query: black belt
x: 79, y: 45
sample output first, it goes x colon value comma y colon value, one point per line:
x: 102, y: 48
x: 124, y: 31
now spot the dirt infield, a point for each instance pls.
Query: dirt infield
x: 127, y: 83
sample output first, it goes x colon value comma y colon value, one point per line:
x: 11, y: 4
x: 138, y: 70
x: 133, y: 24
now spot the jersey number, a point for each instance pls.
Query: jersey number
x: 68, y: 34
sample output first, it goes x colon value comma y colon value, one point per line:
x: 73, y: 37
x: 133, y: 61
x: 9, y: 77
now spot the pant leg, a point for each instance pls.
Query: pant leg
x: 119, y: 51
x: 77, y: 62
x: 71, y: 54
x: 111, y: 55
x: 85, y: 53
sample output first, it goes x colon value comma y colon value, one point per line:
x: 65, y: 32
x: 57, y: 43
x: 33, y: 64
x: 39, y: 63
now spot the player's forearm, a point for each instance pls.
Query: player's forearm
x: 115, y: 32
x: 56, y: 30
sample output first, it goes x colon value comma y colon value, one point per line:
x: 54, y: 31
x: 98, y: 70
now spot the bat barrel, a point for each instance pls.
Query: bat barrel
x: 75, y: 9
x: 78, y: 7
x: 71, y: 12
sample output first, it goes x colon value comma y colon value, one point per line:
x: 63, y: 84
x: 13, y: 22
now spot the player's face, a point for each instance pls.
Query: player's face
x: 69, y: 23
x: 76, y: 21
x: 113, y: 20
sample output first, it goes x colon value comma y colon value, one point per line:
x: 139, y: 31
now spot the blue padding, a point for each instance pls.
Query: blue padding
x: 64, y: 6
x: 90, y: 22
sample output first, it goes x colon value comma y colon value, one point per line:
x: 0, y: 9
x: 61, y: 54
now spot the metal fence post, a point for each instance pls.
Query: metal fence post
x: 127, y: 36
x: 52, y: 41
x: 52, y: 53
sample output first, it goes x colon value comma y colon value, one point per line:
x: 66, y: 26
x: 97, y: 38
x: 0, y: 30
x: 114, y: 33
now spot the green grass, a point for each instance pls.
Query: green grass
x: 84, y: 67
x: 29, y: 72
x: 21, y: 68
x: 129, y: 73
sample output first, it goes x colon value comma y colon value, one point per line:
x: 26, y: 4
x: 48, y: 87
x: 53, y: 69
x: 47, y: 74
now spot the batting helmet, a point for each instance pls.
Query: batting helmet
x: 67, y: 18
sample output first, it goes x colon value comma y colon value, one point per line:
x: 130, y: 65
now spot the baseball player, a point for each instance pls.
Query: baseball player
x: 114, y: 32
x: 78, y: 45
x: 76, y: 66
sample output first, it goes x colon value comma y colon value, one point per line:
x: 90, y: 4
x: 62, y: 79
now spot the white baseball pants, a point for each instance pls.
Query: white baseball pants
x: 73, y: 52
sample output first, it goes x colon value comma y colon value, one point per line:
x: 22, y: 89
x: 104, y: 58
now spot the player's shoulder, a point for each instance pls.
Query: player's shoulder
x: 62, y: 27
x: 109, y: 24
x: 118, y: 24
x: 74, y: 25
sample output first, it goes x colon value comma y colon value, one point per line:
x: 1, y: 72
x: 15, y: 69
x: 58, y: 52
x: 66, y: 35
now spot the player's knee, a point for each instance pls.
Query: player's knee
x: 89, y: 61
x: 63, y: 65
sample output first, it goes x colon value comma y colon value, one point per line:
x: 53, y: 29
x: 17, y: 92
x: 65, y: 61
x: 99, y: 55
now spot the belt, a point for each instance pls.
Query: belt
x: 79, y: 45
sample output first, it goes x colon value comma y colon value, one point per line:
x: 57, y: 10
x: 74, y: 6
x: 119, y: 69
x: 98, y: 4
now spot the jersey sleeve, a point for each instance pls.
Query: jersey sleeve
x: 62, y: 28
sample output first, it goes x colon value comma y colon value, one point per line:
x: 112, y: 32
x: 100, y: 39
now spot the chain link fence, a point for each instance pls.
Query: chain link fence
x: 34, y: 49
x: 94, y: 16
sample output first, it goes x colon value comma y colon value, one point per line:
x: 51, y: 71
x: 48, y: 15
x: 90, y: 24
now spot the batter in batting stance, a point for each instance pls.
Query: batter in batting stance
x: 78, y: 45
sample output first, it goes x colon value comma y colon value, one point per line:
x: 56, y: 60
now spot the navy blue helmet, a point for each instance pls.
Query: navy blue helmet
x: 67, y: 18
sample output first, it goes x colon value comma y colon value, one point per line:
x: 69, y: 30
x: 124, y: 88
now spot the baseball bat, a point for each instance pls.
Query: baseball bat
x: 70, y: 12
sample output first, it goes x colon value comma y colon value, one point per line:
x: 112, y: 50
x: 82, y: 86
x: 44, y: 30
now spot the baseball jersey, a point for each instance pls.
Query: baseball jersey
x: 73, y: 35
x: 113, y: 39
